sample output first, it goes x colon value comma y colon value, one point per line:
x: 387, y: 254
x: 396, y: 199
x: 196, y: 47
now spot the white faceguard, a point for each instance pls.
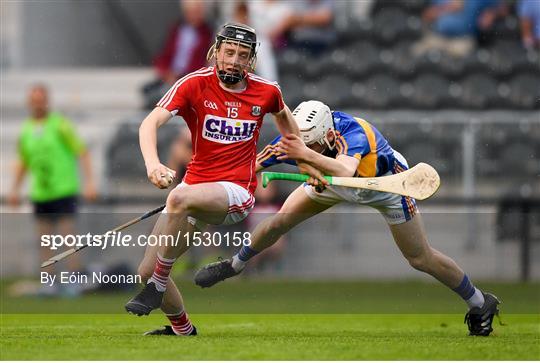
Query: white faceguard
x: 314, y: 119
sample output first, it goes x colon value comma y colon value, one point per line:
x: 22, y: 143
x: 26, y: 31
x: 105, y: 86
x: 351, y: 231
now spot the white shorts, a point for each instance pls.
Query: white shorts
x: 396, y: 209
x: 241, y: 202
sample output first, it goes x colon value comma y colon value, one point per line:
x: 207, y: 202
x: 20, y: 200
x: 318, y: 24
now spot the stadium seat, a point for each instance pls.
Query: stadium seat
x: 381, y: 91
x: 507, y: 56
x: 508, y: 147
x: 430, y: 62
x: 166, y: 135
x: 121, y: 163
x: 335, y: 90
x: 525, y: 91
x: 430, y: 90
x: 124, y: 159
x: 355, y: 30
x: 412, y: 6
x: 403, y: 63
x: 479, y: 91
x: 291, y: 61
x: 390, y: 23
x: 362, y: 59
x: 430, y: 151
x: 456, y: 68
x: 520, y: 159
x: 318, y: 66
x: 121, y: 160
x: 508, y: 28
x: 292, y: 87
x: 415, y: 6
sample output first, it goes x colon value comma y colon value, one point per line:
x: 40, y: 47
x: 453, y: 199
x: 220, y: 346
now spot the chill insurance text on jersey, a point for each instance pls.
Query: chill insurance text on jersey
x: 224, y: 124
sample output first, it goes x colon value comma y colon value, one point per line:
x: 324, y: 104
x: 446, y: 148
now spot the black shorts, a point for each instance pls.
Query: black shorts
x: 56, y: 208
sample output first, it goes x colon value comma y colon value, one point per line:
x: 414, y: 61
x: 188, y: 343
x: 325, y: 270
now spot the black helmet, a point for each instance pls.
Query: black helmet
x: 239, y: 33
x: 243, y: 34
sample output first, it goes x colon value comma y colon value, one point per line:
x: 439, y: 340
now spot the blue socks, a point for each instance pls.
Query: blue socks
x: 239, y: 260
x: 472, y: 296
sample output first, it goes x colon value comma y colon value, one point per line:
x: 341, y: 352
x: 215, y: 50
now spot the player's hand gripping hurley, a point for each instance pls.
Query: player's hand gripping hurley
x: 419, y: 182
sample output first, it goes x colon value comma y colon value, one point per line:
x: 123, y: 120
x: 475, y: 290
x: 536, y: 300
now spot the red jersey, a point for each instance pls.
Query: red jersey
x: 224, y: 124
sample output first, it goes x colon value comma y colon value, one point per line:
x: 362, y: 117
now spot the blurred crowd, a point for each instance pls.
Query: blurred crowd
x: 453, y: 27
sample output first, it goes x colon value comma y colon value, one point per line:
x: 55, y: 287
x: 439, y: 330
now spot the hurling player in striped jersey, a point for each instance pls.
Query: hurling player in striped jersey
x: 342, y: 145
x: 223, y: 106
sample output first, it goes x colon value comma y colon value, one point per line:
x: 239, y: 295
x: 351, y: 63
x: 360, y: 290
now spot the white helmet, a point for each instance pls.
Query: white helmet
x: 314, y: 119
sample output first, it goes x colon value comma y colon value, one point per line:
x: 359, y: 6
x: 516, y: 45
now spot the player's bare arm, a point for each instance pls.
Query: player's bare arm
x: 20, y: 172
x: 285, y: 122
x: 158, y: 174
x: 294, y: 148
x: 90, y: 189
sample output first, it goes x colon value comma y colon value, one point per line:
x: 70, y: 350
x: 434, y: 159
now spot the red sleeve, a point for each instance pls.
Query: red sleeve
x: 277, y: 104
x: 176, y: 100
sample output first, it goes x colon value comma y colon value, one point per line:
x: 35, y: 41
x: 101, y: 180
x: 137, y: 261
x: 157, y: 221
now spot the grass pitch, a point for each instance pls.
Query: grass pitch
x: 350, y: 322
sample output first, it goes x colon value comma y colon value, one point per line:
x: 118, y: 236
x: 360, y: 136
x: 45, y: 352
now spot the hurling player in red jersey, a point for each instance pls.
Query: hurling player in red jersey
x: 223, y: 107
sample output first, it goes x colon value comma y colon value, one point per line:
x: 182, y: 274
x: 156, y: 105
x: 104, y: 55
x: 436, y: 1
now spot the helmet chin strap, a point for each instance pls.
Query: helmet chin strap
x: 325, y: 139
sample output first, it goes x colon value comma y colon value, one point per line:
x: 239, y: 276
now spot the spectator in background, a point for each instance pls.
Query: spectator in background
x: 270, y: 19
x: 529, y: 20
x: 185, y: 50
x: 48, y: 150
x: 309, y: 26
x: 487, y: 20
x: 455, y: 25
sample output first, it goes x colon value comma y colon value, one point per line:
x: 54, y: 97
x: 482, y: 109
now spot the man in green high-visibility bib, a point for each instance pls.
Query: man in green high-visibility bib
x: 48, y: 150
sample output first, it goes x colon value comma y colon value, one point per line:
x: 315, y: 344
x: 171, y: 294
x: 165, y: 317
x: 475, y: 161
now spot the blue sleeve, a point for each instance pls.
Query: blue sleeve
x: 524, y: 8
x: 268, y: 156
x: 352, y: 142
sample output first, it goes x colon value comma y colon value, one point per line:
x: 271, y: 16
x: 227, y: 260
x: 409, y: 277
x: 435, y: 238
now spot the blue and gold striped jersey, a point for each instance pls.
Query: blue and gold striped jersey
x: 355, y: 137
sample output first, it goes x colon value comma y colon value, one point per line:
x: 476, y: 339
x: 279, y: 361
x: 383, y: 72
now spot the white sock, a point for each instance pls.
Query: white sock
x: 477, y: 300
x: 237, y: 264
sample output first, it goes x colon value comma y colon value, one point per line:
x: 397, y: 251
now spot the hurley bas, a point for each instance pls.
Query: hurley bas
x: 66, y: 277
